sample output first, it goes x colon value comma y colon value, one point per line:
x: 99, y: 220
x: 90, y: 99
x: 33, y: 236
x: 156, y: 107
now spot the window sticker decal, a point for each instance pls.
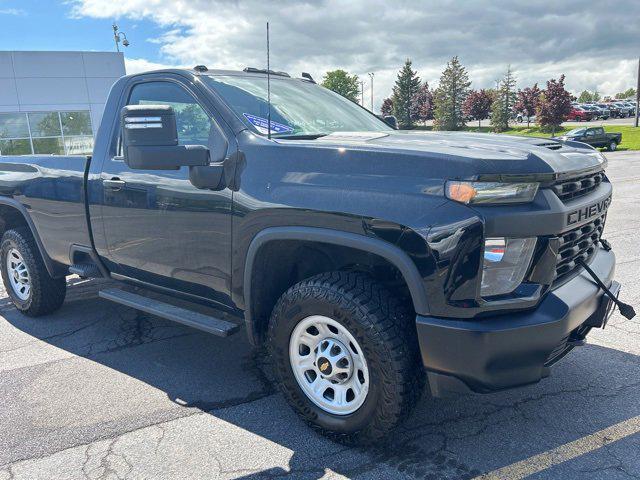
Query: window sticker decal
x: 262, y: 124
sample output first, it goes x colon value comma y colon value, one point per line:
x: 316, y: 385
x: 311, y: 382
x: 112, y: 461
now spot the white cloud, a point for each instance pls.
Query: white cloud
x: 16, y: 12
x: 540, y: 40
x: 137, y: 65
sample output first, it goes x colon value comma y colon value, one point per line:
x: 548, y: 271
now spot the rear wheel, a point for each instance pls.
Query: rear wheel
x: 32, y: 290
x: 346, y: 356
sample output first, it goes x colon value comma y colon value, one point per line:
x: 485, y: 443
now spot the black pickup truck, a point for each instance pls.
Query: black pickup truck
x: 594, y: 136
x: 367, y: 259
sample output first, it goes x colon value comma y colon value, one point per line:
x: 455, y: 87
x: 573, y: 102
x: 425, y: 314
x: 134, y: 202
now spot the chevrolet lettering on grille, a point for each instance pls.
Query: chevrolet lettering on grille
x: 589, y: 211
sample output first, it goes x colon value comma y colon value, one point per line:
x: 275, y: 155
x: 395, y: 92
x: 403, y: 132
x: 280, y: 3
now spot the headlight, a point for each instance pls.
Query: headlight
x: 491, y: 192
x: 506, y: 261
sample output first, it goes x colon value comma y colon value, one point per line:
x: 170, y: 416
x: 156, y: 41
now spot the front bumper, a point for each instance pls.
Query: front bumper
x: 510, y: 350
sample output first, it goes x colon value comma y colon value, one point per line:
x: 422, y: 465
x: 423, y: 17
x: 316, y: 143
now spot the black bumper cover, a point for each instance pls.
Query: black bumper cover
x: 510, y: 350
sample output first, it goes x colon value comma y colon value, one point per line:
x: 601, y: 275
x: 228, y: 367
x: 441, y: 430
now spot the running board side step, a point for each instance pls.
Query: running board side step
x: 213, y: 325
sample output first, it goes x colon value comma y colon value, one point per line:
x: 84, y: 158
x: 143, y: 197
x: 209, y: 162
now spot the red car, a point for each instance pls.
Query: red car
x: 579, y: 114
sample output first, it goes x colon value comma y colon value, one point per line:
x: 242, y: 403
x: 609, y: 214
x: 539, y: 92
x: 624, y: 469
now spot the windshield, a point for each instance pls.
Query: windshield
x: 575, y: 132
x: 298, y: 108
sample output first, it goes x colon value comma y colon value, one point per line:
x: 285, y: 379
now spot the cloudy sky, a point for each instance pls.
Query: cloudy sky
x: 595, y: 45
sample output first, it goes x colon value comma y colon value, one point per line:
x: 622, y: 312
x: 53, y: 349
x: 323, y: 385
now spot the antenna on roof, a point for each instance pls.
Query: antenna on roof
x: 268, y: 88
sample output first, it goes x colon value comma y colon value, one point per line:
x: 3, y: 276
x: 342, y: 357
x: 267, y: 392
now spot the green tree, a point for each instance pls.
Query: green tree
x: 628, y: 93
x: 505, y: 99
x: 499, y: 117
x: 586, y: 96
x: 404, y: 91
x: 341, y: 82
x: 450, y: 96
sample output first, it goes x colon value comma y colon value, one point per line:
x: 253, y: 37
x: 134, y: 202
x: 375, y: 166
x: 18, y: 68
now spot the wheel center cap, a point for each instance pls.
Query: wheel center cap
x: 324, y: 366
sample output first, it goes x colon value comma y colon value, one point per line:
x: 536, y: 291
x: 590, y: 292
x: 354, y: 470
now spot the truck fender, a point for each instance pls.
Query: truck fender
x: 54, y: 270
x: 386, y: 250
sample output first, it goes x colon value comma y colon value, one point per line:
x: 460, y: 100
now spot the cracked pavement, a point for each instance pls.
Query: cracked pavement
x: 100, y: 391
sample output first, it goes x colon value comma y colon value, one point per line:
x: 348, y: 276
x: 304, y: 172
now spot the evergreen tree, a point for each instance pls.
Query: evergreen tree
x: 341, y: 82
x: 505, y: 99
x: 450, y: 96
x: 407, y: 85
x: 499, y: 117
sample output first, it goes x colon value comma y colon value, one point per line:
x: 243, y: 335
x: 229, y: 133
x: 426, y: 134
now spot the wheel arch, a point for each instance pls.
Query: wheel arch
x: 14, y: 214
x: 320, y: 236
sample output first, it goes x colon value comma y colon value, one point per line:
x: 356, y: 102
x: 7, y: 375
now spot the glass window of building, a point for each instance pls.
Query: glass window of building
x: 14, y: 134
x: 46, y: 133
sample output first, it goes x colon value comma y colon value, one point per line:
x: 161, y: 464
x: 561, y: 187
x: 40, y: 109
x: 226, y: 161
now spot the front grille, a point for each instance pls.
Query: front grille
x: 578, y: 186
x: 581, y: 242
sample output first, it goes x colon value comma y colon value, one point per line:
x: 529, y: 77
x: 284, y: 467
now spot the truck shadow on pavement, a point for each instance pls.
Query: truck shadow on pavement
x: 593, y: 388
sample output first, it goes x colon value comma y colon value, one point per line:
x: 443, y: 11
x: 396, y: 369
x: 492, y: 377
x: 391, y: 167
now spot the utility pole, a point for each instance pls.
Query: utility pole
x: 362, y: 92
x: 371, y: 76
x: 638, y: 94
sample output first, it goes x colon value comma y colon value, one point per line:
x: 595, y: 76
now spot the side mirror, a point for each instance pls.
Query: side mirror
x: 150, y: 140
x: 391, y: 120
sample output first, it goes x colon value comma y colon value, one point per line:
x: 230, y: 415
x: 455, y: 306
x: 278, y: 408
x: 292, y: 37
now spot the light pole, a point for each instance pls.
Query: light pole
x: 119, y: 37
x: 371, y: 76
x: 637, y: 95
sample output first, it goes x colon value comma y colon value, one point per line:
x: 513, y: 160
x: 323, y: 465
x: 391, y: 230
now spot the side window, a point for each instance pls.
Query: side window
x: 194, y: 125
x: 599, y: 131
x: 591, y: 132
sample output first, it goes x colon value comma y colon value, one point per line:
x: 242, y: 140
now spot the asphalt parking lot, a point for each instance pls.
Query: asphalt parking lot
x: 101, y: 391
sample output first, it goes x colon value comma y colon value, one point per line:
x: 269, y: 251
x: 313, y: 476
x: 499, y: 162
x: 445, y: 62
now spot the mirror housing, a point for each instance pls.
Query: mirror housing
x: 150, y: 140
x: 391, y: 120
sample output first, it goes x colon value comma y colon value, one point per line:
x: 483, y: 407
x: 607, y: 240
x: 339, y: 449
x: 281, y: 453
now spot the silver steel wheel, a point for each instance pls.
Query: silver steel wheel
x: 18, y: 274
x: 329, y: 365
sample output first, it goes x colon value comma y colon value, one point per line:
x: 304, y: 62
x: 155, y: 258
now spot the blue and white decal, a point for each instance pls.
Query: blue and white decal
x: 262, y: 124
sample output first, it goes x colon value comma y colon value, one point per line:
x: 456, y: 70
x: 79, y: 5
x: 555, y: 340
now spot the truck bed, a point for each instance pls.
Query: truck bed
x: 51, y: 189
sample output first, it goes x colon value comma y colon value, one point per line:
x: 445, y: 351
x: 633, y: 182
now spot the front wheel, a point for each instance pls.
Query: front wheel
x: 613, y: 146
x: 32, y: 290
x: 346, y: 356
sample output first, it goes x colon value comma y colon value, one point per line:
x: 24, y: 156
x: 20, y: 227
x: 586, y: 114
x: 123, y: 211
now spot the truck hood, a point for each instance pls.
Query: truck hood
x: 475, y: 153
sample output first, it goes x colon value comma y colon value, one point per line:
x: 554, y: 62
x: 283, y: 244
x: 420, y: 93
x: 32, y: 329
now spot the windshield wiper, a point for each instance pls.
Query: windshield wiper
x: 301, y: 136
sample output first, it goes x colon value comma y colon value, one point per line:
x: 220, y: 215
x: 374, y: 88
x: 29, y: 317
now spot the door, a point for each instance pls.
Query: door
x: 158, y: 227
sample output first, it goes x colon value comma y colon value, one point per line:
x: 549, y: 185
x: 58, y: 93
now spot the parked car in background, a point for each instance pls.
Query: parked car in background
x: 579, y: 114
x: 595, y: 111
x: 604, y: 108
x: 521, y: 118
x: 632, y: 108
x: 594, y: 136
x: 614, y: 109
x: 625, y: 110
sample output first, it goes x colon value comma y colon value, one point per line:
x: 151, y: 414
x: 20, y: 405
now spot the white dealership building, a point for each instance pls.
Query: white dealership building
x: 52, y: 102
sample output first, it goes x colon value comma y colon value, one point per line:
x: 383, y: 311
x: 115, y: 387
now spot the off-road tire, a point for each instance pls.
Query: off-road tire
x: 385, y: 330
x: 612, y: 146
x: 47, y: 293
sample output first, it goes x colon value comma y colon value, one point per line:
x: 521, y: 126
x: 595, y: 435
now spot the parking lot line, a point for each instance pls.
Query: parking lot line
x: 566, y: 452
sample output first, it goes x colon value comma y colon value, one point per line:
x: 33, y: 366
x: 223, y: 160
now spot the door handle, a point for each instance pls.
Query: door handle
x: 114, y: 184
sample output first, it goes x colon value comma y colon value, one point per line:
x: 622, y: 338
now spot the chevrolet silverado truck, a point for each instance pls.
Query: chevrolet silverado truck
x: 594, y: 136
x: 369, y: 261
